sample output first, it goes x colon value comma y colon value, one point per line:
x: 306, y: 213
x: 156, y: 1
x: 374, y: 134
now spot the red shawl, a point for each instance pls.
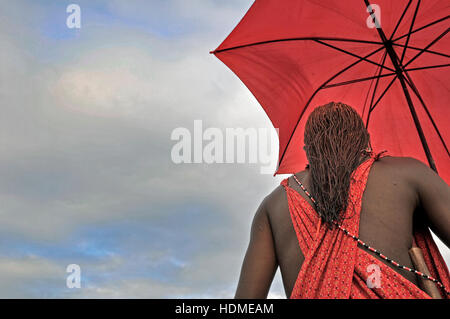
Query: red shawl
x: 336, y: 267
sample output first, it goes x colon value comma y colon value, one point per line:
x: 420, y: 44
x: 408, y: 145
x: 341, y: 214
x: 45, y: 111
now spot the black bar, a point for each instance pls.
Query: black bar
x: 224, y: 308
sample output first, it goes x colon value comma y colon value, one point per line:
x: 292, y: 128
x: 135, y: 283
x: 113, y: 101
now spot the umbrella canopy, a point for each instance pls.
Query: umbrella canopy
x: 388, y: 60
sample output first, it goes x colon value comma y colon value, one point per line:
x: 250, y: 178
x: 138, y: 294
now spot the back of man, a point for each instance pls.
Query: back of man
x: 396, y: 195
x: 396, y: 190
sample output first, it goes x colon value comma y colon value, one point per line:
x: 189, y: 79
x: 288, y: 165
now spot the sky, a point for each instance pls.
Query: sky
x: 86, y: 175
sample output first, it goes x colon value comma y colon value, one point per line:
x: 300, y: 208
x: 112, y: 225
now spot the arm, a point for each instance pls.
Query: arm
x: 260, y: 263
x: 434, y: 197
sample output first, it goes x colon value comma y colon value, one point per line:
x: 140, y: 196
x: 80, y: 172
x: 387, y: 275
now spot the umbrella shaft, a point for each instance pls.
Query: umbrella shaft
x: 402, y: 80
x: 394, y: 58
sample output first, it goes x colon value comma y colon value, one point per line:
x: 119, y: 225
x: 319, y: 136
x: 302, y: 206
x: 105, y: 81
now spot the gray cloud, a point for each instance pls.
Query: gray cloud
x: 86, y: 142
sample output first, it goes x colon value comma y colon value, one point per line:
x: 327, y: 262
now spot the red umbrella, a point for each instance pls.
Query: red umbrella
x: 388, y: 60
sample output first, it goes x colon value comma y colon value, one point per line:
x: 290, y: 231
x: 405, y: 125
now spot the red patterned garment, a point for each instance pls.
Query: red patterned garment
x: 336, y: 267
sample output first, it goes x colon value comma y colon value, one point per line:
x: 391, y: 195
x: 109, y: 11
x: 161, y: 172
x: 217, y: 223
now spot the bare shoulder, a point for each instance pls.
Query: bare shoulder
x: 275, y: 199
x: 400, y: 161
x: 408, y: 167
x: 271, y: 205
x: 433, y: 193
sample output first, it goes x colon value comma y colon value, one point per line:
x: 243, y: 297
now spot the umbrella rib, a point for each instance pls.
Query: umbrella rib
x: 357, y: 80
x: 423, y: 27
x: 326, y: 38
x: 314, y: 94
x: 429, y: 45
x: 354, y: 55
x: 390, y: 84
x: 428, y: 67
x: 293, y: 39
x: 419, y: 49
x: 382, y: 94
x: 411, y: 84
x: 416, y: 92
x: 374, y: 92
x: 381, y: 76
x: 399, y: 70
x: 400, y: 20
x: 409, y: 33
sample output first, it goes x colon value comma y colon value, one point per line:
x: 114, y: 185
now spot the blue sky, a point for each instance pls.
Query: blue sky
x: 85, y: 170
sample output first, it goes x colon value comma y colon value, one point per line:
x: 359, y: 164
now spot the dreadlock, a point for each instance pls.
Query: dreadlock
x: 335, y: 137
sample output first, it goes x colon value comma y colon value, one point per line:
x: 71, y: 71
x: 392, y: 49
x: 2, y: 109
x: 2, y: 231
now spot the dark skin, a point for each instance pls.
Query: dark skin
x: 399, y: 191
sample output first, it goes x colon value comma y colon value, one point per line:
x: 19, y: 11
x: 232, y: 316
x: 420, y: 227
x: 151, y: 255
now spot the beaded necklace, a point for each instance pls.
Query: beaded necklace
x: 377, y: 252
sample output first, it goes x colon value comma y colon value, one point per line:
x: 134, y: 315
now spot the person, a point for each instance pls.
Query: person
x: 317, y: 224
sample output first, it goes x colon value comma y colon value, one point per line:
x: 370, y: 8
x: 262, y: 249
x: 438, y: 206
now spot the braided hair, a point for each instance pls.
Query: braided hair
x: 335, y: 138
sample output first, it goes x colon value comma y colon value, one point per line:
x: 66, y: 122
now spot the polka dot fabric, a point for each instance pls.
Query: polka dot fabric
x: 335, y: 267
